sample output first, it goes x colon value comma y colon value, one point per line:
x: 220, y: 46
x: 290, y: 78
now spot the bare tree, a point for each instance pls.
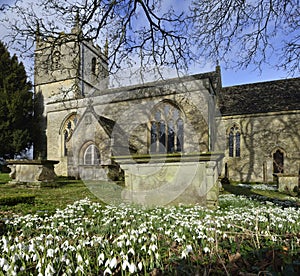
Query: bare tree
x: 249, y: 32
x: 132, y: 28
x: 234, y: 32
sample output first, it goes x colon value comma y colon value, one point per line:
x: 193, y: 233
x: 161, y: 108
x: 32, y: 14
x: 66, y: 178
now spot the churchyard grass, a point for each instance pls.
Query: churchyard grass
x: 4, y: 178
x: 85, y: 237
x: 46, y: 199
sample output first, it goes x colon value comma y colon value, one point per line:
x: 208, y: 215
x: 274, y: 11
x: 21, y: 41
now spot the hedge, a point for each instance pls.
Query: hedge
x: 14, y: 200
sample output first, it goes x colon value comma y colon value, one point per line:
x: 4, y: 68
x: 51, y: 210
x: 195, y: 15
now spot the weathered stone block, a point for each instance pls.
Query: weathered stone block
x: 287, y: 182
x: 32, y: 171
x: 171, y: 179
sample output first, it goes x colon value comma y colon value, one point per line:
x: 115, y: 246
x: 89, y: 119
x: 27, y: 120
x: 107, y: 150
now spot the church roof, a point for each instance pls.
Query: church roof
x: 263, y: 97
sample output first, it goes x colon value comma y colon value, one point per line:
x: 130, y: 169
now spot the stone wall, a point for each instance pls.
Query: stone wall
x: 130, y: 108
x: 261, y: 136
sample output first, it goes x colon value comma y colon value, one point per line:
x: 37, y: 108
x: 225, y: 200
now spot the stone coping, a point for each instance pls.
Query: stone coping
x: 170, y: 158
x: 32, y: 162
x: 286, y: 175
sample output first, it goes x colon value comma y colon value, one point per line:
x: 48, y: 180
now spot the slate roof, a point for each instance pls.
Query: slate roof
x: 263, y: 97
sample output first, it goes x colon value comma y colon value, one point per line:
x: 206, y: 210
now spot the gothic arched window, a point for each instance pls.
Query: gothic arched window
x: 234, y: 142
x: 68, y: 129
x: 91, y: 155
x: 166, y: 129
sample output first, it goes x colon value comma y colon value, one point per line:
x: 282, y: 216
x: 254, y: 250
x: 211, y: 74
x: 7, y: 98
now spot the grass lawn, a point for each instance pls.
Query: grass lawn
x: 4, y: 178
x: 46, y: 199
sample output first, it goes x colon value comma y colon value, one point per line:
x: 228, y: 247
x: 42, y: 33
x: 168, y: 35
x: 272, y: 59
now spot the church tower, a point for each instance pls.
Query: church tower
x: 67, y: 67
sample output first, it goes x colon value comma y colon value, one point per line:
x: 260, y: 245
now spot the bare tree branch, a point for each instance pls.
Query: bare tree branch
x: 236, y: 32
x: 249, y: 32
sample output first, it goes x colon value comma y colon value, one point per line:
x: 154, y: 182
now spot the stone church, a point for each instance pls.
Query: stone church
x: 180, y: 134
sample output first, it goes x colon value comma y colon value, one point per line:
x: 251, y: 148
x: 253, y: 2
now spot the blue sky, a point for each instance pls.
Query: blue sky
x: 229, y: 76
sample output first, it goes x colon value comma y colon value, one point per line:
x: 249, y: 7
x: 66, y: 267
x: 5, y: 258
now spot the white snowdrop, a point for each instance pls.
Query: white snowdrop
x: 132, y: 268
x: 113, y: 262
x: 206, y: 249
x: 131, y: 250
x: 140, y: 266
x: 79, y: 258
x: 50, y: 252
x: 125, y: 264
x: 107, y: 271
x: 49, y: 271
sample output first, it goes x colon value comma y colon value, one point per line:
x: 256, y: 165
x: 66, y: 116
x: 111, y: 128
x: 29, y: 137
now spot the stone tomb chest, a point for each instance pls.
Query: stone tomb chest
x: 32, y: 172
x: 172, y: 179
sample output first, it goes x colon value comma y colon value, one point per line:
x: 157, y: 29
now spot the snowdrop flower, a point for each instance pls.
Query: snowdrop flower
x: 5, y: 247
x: 153, y: 247
x: 131, y: 250
x: 189, y: 248
x: 128, y: 242
x: 31, y: 247
x: 50, y: 252
x: 120, y: 243
x: 100, y: 259
x: 140, y: 266
x: 210, y: 239
x: 186, y: 251
x: 3, y: 262
x: 79, y: 258
x: 107, y: 271
x: 113, y: 262
x: 168, y: 232
x: 206, y: 249
x: 79, y: 268
x: 49, y: 271
x: 132, y: 268
x: 125, y: 264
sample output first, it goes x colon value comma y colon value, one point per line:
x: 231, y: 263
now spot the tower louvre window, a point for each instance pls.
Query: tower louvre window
x: 94, y: 65
x: 56, y: 60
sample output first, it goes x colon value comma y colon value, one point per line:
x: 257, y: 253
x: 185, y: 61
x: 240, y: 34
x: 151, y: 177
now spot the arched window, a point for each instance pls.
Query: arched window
x: 166, y: 129
x: 234, y: 142
x: 91, y: 155
x: 94, y: 65
x: 68, y: 129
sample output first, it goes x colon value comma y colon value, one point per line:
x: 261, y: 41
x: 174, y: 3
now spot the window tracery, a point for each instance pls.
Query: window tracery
x: 234, y: 142
x: 91, y: 155
x: 68, y: 129
x: 166, y: 129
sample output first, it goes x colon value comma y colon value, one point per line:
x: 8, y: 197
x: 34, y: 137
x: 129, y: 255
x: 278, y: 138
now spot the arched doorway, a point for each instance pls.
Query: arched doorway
x: 278, y: 161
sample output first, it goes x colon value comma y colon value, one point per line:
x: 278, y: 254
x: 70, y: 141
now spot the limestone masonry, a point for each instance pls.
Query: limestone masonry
x: 155, y: 133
